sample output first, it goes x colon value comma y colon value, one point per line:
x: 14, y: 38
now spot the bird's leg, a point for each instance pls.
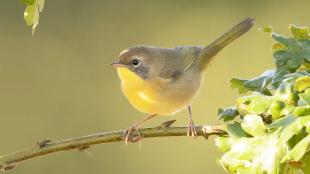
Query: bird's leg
x: 191, y: 126
x: 136, y: 128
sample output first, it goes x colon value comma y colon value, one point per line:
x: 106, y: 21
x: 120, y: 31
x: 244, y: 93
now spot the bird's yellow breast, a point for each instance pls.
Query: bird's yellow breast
x: 146, y: 96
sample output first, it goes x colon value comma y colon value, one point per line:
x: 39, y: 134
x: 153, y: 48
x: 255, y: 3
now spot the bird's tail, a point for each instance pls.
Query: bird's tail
x: 235, y: 32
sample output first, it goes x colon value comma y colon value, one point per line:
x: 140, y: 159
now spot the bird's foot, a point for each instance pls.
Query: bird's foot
x: 137, y: 137
x: 191, y: 130
x: 128, y: 134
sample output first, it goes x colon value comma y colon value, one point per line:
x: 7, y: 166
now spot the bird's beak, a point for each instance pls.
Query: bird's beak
x: 117, y: 64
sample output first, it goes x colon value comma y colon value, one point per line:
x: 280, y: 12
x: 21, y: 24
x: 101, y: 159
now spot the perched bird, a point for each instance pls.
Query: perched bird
x: 163, y: 81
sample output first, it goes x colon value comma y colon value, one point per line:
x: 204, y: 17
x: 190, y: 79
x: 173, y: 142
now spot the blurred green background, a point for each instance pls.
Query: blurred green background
x: 59, y: 84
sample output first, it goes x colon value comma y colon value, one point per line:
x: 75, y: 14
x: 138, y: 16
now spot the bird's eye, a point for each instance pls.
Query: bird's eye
x: 135, y: 62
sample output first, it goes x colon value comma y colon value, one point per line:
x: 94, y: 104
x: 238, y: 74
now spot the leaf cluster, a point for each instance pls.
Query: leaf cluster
x: 268, y: 128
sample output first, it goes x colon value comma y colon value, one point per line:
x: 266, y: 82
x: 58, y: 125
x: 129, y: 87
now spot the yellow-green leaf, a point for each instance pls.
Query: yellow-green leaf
x: 31, y: 14
x: 302, y: 83
x: 253, y: 125
x: 299, y: 32
x: 298, y: 151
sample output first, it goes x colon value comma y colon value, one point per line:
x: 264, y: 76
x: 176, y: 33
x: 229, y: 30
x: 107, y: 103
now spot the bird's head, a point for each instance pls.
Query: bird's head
x: 137, y: 59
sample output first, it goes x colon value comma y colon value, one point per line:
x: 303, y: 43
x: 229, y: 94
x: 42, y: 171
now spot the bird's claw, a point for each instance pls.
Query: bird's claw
x: 128, y: 134
x: 191, y: 131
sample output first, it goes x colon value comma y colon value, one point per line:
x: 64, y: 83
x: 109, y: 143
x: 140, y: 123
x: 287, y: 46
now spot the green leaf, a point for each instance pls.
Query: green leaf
x: 223, y: 143
x: 298, y: 151
x: 299, y: 33
x: 254, y: 104
x: 285, y: 93
x: 27, y: 2
x: 282, y: 103
x: 279, y: 77
x: 308, y: 127
x: 296, y: 75
x: 282, y: 122
x: 31, y: 14
x: 266, y: 29
x: 227, y: 114
x: 296, y: 50
x: 253, y: 125
x: 276, y: 109
x: 278, y: 47
x: 235, y: 131
x: 239, y: 84
x: 290, y: 43
x: 306, y: 161
x: 256, y: 84
x: 302, y: 111
x: 302, y: 83
x: 305, y: 96
x: 41, y: 5
x: 294, y: 128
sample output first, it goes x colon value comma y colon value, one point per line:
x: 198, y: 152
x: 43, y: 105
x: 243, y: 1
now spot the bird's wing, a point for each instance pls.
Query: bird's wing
x: 187, y: 55
x: 184, y: 60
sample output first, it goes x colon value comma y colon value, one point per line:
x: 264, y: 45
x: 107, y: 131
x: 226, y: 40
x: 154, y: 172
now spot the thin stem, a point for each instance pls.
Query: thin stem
x: 81, y: 143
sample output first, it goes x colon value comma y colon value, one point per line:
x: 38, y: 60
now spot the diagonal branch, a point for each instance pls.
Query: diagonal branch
x: 9, y: 161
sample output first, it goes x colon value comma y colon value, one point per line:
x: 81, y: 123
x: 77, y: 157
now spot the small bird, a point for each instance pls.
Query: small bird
x: 164, y: 81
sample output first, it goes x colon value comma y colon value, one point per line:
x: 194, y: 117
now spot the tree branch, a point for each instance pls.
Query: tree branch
x: 46, y: 147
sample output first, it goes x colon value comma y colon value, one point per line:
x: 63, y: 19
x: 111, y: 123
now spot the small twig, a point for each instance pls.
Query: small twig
x: 167, y: 124
x: 9, y: 161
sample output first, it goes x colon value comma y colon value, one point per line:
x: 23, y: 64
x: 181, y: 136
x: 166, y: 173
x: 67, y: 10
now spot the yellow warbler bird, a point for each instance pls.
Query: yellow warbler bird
x: 163, y: 81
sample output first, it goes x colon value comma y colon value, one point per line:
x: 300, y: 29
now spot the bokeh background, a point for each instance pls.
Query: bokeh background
x: 58, y: 83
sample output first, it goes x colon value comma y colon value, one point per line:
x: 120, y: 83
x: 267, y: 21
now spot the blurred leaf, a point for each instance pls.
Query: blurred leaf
x: 223, y: 143
x: 305, y: 96
x: 308, y: 127
x: 278, y: 47
x: 299, y: 33
x: 41, y: 5
x: 282, y: 122
x: 31, y: 14
x: 227, y: 114
x: 263, y: 152
x: 297, y: 52
x: 296, y: 75
x: 286, y: 94
x: 27, y: 2
x: 254, y: 155
x: 253, y: 125
x: 235, y: 131
x: 294, y: 128
x: 276, y: 109
x: 298, y: 151
x: 279, y: 77
x: 282, y: 103
x: 254, y: 104
x: 306, y: 161
x: 266, y: 29
x: 302, y: 83
x: 296, y: 138
x: 302, y: 111
x: 239, y: 84
x: 256, y: 84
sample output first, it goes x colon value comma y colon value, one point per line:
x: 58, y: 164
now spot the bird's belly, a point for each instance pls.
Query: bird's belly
x: 151, y: 98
